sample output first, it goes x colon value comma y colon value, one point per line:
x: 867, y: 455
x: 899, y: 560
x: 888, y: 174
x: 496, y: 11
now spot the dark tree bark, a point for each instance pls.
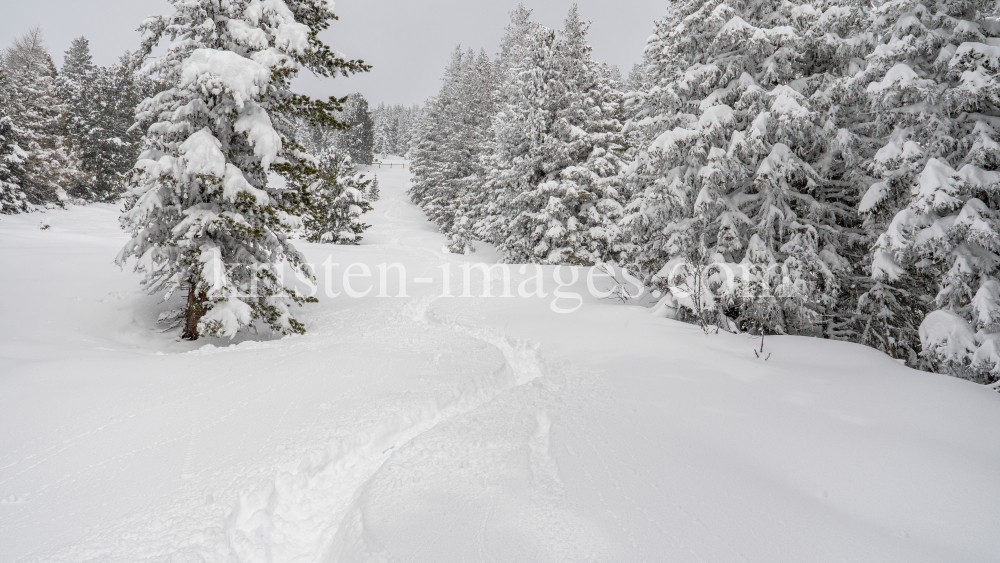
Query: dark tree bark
x: 194, y: 312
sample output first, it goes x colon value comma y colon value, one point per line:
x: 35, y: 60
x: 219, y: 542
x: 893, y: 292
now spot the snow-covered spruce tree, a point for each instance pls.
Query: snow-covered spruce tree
x: 77, y: 72
x: 557, y: 142
x: 51, y: 165
x: 315, y: 138
x: 485, y: 202
x: 203, y: 215
x: 77, y: 69
x: 427, y: 157
x: 433, y: 155
x: 359, y: 139
x: 74, y: 85
x: 461, y: 118
x: 395, y: 128
x: 932, y: 84
x: 336, y: 199
x: 460, y: 215
x: 111, y: 143
x: 12, y: 197
x: 386, y: 129
x: 408, y: 118
x: 732, y: 173
x: 102, y: 103
x: 446, y: 154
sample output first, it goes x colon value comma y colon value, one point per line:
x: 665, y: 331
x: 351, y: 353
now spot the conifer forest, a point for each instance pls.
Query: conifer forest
x: 737, y: 302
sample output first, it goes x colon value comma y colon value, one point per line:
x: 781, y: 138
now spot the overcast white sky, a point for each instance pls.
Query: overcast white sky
x: 408, y: 42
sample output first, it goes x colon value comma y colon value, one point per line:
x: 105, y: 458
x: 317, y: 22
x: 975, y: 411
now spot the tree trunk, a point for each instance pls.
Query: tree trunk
x: 194, y: 312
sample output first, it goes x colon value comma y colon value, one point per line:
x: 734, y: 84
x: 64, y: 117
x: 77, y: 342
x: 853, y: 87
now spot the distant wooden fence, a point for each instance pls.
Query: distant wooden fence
x: 390, y: 164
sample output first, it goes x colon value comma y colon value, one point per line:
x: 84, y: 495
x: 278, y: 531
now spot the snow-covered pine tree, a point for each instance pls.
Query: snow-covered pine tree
x: 336, y: 199
x: 557, y: 142
x: 386, y: 129
x: 438, y: 162
x: 457, y: 205
x: 387, y: 133
x: 395, y: 128
x: 77, y: 69
x: 460, y: 215
x: 102, y: 103
x: 380, y: 141
x: 734, y: 124
x: 111, y: 144
x: 486, y: 207
x: 931, y: 86
x: 447, y: 157
x: 517, y: 36
x: 204, y: 216
x: 407, y: 122
x: 51, y: 165
x: 12, y: 197
x: 315, y: 139
x: 359, y: 139
x: 74, y: 85
x: 76, y: 73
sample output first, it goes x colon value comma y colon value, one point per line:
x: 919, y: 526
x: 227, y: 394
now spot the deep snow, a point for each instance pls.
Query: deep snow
x: 458, y: 429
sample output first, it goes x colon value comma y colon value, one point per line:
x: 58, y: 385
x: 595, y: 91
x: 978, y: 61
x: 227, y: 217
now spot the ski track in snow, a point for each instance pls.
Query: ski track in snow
x: 309, y: 509
x: 432, y: 429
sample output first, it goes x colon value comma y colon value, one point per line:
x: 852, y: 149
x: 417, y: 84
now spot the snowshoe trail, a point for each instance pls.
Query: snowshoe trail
x: 311, y: 508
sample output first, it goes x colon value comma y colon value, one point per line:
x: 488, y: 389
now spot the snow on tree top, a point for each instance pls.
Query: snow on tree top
x: 974, y: 80
x: 781, y: 32
x: 987, y: 300
x: 203, y: 155
x: 669, y: 139
x: 833, y: 13
x: 736, y: 24
x: 910, y: 24
x: 937, y: 187
x: 235, y: 183
x: 292, y: 36
x: 779, y: 157
x: 884, y: 267
x: 289, y: 35
x: 989, y: 353
x: 804, y: 10
x: 786, y: 102
x: 977, y: 53
x: 893, y: 150
x: 938, y: 229
x: 873, y: 196
x: 248, y: 35
x: 215, y: 70
x: 978, y: 177
x: 717, y: 117
x: 699, y: 73
x: 966, y: 27
x: 900, y: 74
x: 972, y: 219
x: 943, y: 327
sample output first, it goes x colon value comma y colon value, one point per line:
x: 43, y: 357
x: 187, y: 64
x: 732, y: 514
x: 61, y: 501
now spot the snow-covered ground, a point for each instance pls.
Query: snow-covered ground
x: 435, y: 429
